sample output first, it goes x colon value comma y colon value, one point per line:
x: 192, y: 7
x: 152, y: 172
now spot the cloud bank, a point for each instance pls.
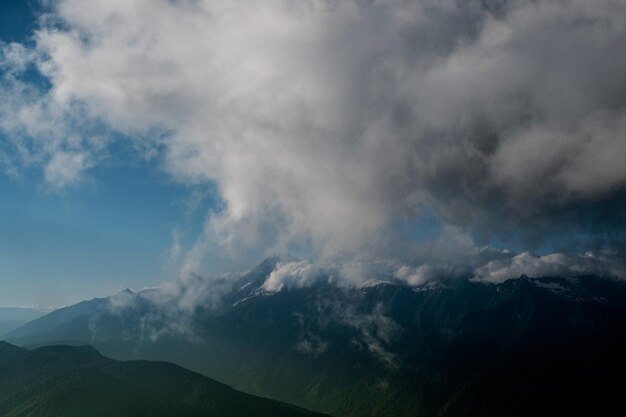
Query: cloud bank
x: 555, y: 264
x: 325, y: 123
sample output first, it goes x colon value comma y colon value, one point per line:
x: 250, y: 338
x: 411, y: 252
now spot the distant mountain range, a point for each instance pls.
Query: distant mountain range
x: 65, y: 381
x: 13, y: 317
x: 528, y: 346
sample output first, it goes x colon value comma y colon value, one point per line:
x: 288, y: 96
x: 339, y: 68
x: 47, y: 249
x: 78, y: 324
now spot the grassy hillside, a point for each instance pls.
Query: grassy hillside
x: 64, y: 381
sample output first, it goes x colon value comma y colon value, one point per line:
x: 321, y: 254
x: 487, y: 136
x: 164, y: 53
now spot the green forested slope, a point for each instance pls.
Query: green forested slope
x: 63, y: 381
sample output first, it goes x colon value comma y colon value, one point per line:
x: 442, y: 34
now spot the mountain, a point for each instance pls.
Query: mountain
x: 72, y: 321
x: 540, y: 346
x: 13, y: 317
x: 65, y: 381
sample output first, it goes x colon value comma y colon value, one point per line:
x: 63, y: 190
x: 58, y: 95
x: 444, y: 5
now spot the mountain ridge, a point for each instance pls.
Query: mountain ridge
x: 380, y: 350
x: 12, y: 318
x: 68, y: 381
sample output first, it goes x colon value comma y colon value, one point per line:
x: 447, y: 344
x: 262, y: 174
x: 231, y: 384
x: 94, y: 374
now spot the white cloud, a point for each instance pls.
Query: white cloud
x: 15, y: 57
x: 294, y: 275
x: 323, y: 122
x: 38, y: 132
x: 378, y: 331
x: 419, y: 275
x: 554, y: 264
x: 65, y: 169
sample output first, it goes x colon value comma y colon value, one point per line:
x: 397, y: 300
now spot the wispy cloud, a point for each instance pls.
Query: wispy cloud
x: 37, y: 131
x: 555, y: 264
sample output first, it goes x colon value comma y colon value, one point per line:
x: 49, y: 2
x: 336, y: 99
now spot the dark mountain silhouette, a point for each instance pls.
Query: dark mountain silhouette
x: 540, y: 346
x: 68, y: 381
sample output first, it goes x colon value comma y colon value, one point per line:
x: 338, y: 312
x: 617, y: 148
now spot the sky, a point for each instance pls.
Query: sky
x: 144, y: 140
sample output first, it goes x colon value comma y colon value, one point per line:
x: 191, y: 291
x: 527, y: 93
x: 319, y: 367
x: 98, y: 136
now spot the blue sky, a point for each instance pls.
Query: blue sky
x: 112, y: 231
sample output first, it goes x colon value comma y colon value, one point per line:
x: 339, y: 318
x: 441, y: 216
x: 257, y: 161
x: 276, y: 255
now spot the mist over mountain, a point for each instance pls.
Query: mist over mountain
x: 446, y: 347
x: 13, y: 317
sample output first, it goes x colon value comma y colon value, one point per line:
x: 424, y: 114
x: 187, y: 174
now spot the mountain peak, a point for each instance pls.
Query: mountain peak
x: 123, y: 295
x: 282, y: 257
x: 269, y: 264
x: 254, y: 279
